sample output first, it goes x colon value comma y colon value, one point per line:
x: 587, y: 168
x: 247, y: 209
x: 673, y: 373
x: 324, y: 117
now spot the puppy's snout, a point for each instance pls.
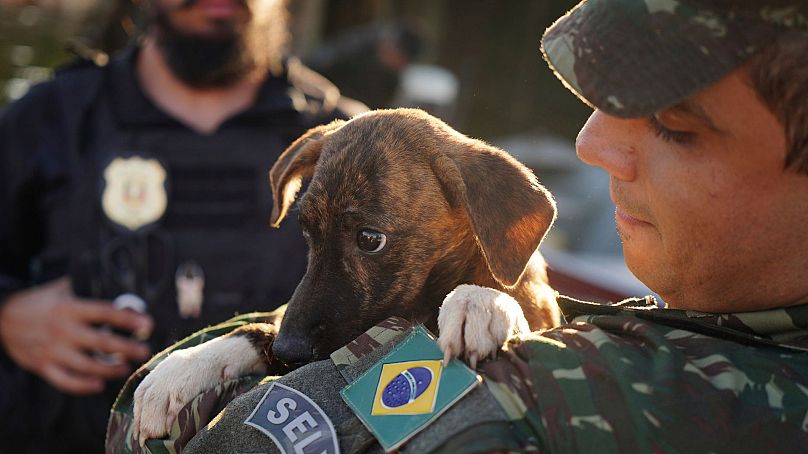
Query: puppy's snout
x: 292, y: 350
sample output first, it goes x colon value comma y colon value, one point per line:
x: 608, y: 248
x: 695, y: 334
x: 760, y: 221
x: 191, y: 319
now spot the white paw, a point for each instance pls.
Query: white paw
x: 477, y: 321
x: 184, y: 374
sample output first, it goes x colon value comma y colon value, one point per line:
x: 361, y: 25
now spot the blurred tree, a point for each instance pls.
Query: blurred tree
x: 492, y: 47
x: 505, y: 86
x: 38, y: 36
x: 31, y: 42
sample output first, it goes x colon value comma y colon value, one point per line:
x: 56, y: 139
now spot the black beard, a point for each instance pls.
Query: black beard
x: 216, y: 61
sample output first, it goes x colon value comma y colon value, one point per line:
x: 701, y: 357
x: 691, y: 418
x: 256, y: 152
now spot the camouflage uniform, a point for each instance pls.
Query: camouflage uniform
x: 623, y: 378
x: 197, y: 413
x: 634, y: 378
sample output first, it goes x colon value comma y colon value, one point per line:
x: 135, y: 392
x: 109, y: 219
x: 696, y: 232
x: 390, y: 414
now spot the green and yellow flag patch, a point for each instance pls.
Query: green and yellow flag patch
x: 407, y: 389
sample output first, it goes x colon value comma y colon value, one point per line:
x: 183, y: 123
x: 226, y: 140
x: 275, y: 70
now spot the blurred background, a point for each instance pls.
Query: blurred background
x: 476, y: 64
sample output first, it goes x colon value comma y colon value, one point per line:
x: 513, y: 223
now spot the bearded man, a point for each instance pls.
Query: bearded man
x: 143, y: 182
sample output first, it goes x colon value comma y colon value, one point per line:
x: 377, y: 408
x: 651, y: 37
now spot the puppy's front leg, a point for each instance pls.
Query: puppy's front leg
x: 477, y: 321
x: 185, y: 373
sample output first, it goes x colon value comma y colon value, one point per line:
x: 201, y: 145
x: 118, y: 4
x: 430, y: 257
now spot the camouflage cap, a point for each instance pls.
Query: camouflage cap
x: 631, y: 58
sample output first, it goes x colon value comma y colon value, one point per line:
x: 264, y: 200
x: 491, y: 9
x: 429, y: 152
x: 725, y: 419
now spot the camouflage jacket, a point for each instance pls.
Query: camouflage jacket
x: 621, y: 378
x: 197, y: 413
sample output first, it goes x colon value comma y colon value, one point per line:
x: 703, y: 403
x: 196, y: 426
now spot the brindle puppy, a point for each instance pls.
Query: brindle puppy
x: 401, y: 211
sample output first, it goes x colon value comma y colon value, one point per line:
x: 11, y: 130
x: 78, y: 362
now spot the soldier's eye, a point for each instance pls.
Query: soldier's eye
x: 370, y: 240
x: 667, y: 134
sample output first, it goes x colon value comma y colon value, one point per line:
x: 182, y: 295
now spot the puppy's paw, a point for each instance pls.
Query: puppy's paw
x: 182, y: 375
x: 477, y: 321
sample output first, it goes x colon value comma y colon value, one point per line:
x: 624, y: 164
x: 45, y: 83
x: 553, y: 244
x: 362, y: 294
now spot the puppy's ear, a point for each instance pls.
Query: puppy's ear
x: 509, y: 211
x: 296, y: 163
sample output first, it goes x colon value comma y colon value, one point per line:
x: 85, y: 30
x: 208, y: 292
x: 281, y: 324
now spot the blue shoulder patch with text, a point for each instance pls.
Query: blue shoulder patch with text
x: 294, y: 422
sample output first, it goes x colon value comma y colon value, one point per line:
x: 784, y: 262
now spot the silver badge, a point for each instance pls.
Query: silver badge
x: 190, y: 281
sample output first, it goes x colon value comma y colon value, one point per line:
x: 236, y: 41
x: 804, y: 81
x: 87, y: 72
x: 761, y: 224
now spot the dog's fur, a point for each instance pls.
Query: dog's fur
x: 454, y: 211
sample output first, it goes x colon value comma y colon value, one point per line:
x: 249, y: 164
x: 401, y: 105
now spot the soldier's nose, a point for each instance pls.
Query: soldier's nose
x: 609, y: 143
x: 293, y: 350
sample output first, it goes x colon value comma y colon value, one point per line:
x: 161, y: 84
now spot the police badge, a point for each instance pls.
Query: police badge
x: 134, y: 191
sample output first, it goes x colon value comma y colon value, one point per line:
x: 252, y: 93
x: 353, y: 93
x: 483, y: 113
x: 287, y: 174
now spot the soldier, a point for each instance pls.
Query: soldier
x: 145, y: 178
x: 701, y: 121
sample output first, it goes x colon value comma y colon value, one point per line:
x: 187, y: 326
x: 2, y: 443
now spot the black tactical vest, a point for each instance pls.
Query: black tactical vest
x: 218, y: 203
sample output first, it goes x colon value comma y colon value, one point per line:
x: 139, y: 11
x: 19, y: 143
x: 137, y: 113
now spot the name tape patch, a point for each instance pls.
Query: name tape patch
x: 294, y: 422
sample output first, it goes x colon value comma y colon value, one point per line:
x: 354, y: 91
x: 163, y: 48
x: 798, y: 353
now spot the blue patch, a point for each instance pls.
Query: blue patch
x: 407, y: 386
x: 294, y: 422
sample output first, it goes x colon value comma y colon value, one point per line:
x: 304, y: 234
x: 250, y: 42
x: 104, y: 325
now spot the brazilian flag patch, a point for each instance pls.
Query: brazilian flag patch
x: 409, y: 388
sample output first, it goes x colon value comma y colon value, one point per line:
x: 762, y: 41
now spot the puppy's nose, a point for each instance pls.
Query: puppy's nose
x: 294, y: 351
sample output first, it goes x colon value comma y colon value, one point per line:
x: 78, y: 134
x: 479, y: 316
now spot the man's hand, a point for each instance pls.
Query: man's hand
x: 49, y: 331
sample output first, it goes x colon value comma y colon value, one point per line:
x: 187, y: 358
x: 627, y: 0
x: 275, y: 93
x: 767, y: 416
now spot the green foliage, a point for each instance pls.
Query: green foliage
x: 32, y: 42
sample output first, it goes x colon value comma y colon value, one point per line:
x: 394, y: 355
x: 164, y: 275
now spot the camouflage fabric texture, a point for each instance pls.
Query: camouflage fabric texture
x: 621, y: 378
x: 195, y: 414
x: 631, y: 58
x: 321, y: 382
x: 634, y: 378
x: 368, y: 342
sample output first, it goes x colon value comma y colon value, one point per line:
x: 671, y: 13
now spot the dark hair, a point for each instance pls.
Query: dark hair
x: 779, y: 74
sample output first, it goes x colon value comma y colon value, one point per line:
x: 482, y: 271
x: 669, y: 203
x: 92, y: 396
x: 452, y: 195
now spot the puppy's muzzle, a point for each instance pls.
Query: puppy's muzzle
x: 293, y: 350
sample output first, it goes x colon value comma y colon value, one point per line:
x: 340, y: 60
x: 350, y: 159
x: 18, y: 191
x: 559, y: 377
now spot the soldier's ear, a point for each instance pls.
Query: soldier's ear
x: 294, y: 165
x: 508, y: 210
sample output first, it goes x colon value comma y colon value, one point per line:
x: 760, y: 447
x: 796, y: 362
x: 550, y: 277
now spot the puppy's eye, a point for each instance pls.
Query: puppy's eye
x: 370, y: 240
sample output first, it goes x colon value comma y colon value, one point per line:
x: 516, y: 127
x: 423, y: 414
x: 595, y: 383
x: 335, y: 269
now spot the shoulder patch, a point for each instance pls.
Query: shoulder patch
x: 408, y: 389
x: 294, y: 422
